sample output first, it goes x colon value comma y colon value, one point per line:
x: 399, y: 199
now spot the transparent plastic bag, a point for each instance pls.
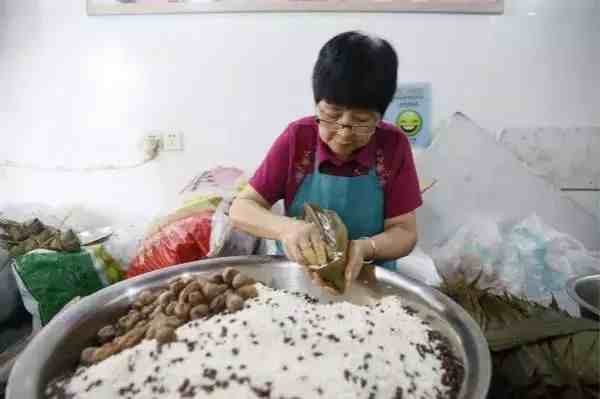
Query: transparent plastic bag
x: 122, y: 244
x: 497, y: 185
x: 528, y: 259
x: 474, y: 251
x: 546, y: 257
x: 225, y: 240
x: 197, y: 225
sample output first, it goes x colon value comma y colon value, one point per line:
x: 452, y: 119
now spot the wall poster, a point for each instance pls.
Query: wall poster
x: 104, y: 7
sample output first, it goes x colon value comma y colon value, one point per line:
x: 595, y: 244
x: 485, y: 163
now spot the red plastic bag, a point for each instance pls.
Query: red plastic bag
x: 183, y: 240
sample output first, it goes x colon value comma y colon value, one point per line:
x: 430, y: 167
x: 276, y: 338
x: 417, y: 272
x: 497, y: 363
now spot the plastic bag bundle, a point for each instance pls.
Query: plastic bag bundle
x: 199, y: 227
x: 545, y: 257
x: 48, y: 280
x: 180, y: 241
x: 527, y: 259
x: 225, y: 240
x: 474, y: 251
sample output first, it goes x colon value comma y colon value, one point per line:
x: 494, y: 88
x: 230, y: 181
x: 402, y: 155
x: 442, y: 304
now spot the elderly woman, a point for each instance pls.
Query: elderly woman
x: 345, y: 159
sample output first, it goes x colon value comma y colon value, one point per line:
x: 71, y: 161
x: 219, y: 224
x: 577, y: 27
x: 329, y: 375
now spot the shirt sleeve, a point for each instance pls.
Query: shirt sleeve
x: 270, y: 179
x: 402, y: 191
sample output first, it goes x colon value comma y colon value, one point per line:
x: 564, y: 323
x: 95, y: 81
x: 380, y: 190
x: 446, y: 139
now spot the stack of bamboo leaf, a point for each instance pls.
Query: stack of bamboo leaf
x: 537, y: 352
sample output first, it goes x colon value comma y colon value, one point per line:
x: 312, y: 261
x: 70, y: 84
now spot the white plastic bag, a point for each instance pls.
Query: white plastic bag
x: 122, y: 244
x: 224, y: 182
x: 547, y: 257
x: 475, y: 174
x: 419, y: 266
x: 474, y: 251
x: 528, y: 259
x: 220, y: 181
x: 225, y: 240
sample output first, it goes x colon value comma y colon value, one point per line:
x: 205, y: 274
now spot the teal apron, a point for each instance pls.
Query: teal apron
x: 357, y: 200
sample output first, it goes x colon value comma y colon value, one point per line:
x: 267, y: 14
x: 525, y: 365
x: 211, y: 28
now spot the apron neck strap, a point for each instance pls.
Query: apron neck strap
x: 317, y: 171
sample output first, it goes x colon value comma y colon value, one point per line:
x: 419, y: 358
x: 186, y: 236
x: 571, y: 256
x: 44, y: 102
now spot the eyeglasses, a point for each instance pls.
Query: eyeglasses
x: 335, y: 127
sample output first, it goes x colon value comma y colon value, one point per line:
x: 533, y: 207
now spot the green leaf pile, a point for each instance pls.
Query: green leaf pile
x: 537, y: 351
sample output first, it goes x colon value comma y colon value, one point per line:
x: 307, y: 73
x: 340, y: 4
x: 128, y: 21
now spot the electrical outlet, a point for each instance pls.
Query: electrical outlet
x: 172, y: 141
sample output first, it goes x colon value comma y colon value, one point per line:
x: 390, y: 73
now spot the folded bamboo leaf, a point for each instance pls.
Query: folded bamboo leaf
x: 69, y: 241
x: 6, y: 223
x: 537, y: 351
x: 34, y: 227
x: 310, y: 256
x: 533, y: 330
x: 17, y: 233
x: 44, y: 235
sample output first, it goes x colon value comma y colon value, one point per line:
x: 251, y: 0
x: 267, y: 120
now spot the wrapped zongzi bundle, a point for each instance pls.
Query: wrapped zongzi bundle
x: 21, y: 238
x: 331, y: 265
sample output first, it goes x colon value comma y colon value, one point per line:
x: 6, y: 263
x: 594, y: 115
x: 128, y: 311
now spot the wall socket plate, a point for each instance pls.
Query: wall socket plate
x: 153, y: 137
x: 172, y: 141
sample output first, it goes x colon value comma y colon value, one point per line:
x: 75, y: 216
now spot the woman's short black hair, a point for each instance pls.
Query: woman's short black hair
x: 357, y: 71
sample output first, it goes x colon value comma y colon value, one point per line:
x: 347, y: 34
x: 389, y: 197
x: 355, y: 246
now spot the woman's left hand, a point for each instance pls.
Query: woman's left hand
x: 358, y: 250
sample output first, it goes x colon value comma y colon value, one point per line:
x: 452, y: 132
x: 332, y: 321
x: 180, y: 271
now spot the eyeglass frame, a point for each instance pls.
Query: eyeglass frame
x: 341, y: 126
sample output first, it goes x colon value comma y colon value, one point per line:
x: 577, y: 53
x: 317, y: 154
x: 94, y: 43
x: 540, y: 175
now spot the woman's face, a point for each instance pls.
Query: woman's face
x: 345, y: 130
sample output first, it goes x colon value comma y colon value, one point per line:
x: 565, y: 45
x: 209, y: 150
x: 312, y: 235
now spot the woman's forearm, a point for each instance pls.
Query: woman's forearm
x: 395, y: 242
x: 252, y: 218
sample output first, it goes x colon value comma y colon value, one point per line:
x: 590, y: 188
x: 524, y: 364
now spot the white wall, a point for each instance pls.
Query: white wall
x: 79, y: 91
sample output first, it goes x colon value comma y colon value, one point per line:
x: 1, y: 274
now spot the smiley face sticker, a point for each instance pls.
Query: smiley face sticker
x: 410, y: 122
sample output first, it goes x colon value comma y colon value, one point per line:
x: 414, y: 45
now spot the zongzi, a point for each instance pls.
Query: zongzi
x: 330, y: 266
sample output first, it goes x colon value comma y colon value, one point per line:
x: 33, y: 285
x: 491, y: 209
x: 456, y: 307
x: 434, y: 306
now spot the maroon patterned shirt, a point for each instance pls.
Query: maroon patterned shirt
x: 292, y: 157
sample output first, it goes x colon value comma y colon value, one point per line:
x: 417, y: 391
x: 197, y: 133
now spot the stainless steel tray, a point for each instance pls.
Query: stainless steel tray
x: 55, y: 350
x: 585, y: 290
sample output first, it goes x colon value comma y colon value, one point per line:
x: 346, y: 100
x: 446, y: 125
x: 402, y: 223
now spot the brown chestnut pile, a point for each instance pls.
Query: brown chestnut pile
x: 157, y: 312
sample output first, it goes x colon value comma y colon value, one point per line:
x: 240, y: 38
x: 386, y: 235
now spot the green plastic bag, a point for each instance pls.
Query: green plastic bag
x: 49, y: 280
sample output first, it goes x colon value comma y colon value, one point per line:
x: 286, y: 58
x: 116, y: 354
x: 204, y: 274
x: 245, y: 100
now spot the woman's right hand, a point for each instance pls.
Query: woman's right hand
x: 302, y: 243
